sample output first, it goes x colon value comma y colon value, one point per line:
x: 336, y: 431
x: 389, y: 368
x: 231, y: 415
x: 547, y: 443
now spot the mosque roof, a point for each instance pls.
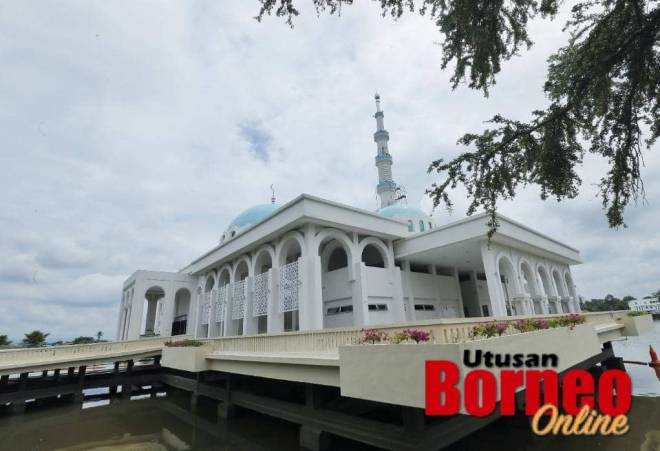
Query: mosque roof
x: 252, y: 215
x: 399, y: 210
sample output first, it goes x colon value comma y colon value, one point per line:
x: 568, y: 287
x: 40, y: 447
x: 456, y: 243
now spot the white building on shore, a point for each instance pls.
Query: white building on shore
x: 313, y: 263
x: 645, y: 305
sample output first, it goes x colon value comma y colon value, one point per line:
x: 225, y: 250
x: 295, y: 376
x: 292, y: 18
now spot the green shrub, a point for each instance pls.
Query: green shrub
x: 637, y: 313
x: 184, y: 343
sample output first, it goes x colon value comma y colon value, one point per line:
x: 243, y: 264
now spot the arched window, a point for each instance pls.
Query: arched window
x: 338, y: 259
x: 410, y: 225
x: 371, y: 256
x: 421, y: 225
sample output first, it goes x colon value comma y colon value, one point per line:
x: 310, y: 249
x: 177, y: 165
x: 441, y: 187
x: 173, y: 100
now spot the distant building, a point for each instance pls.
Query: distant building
x: 312, y: 264
x: 646, y: 305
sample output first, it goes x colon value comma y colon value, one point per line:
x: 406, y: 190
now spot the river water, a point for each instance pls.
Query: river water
x: 164, y: 423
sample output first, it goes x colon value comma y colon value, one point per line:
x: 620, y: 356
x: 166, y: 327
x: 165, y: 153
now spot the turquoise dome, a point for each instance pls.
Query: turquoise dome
x: 397, y: 211
x: 252, y: 215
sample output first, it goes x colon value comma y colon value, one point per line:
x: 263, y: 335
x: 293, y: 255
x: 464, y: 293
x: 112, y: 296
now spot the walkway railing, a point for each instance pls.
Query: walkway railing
x: 444, y: 331
x: 46, y: 355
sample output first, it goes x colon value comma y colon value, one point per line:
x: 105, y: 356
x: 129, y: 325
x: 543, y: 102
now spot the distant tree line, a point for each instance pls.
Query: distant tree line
x: 37, y: 338
x: 609, y: 302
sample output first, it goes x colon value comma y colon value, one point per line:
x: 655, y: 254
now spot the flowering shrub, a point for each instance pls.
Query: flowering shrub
x: 490, y: 329
x: 571, y: 320
x: 525, y: 325
x: 183, y: 343
x: 399, y: 337
x: 541, y: 324
x: 373, y: 336
x: 418, y: 335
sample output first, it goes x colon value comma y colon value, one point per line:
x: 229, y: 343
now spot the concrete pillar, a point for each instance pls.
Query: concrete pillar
x: 413, y: 420
x: 115, y: 375
x: 226, y: 410
x: 359, y: 295
x: 250, y: 322
x: 461, y: 308
x: 44, y: 374
x: 398, y: 302
x: 18, y: 407
x: 275, y: 317
x: 313, y: 439
x: 23, y: 380
x: 212, y: 307
x: 311, y: 294
x: 409, y: 304
x: 56, y: 374
x: 71, y: 372
x: 4, y: 380
x: 497, y: 303
x: 313, y: 396
x: 545, y: 305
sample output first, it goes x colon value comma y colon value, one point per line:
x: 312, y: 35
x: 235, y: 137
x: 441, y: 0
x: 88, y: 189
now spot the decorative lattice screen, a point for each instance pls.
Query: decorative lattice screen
x: 260, y: 302
x: 238, y: 300
x: 220, y: 304
x: 289, y: 283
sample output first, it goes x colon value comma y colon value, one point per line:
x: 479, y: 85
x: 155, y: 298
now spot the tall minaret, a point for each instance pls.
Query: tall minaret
x: 386, y: 187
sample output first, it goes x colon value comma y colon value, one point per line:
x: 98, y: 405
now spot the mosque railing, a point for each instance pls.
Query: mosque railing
x: 48, y: 354
x: 328, y: 340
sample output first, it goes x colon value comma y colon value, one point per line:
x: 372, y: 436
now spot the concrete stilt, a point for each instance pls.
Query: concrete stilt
x: 413, y: 419
x: 226, y: 410
x: 115, y: 375
x: 313, y: 439
x: 18, y: 407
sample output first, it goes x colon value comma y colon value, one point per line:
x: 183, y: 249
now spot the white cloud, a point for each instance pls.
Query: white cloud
x: 122, y: 146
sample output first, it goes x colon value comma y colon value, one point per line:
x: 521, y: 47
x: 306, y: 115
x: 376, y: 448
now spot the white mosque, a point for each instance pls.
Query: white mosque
x: 313, y: 263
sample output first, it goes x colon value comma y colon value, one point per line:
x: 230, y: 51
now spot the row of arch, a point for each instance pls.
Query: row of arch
x: 522, y: 280
x: 335, y: 248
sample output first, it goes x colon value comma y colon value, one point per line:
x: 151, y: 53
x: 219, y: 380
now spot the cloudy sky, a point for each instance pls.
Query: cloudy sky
x: 131, y: 133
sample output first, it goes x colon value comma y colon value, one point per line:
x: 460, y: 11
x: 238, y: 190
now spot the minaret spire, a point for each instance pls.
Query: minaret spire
x: 386, y: 187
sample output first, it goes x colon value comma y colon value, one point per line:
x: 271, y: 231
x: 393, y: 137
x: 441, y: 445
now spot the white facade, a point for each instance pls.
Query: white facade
x: 645, y: 305
x: 313, y: 264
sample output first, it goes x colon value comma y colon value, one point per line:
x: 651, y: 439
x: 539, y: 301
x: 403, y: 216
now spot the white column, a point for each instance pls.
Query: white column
x: 407, y: 290
x: 229, y: 326
x: 461, y: 308
x: 250, y: 322
x: 398, y: 307
x: 497, y: 302
x: 275, y: 318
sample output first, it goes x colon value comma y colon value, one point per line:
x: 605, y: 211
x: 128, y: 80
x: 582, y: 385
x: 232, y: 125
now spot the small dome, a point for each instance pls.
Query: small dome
x: 247, y: 218
x: 417, y: 220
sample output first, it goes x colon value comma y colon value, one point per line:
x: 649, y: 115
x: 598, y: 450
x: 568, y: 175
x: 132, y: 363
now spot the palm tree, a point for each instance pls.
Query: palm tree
x: 35, y: 339
x: 99, y: 335
x: 4, y: 341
